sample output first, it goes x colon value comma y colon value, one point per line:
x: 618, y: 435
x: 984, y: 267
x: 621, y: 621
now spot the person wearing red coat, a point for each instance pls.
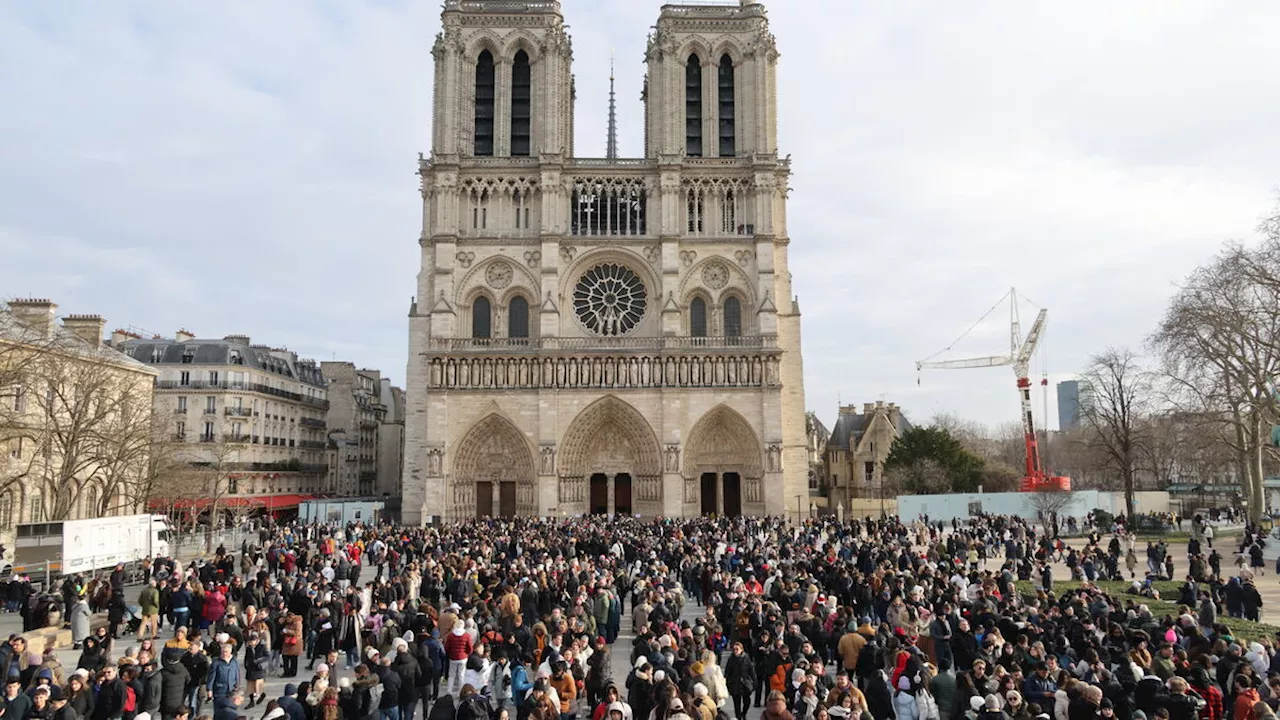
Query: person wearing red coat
x: 457, y: 647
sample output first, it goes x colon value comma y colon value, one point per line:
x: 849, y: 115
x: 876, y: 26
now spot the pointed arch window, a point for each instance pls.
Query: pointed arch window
x: 518, y: 318
x: 698, y: 318
x: 728, y: 140
x: 693, y: 107
x: 481, y: 319
x: 521, y: 105
x: 485, y: 84
x: 732, y: 317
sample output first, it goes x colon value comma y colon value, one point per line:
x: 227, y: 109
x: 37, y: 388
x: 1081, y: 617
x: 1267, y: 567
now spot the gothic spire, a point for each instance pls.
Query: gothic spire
x: 611, y: 151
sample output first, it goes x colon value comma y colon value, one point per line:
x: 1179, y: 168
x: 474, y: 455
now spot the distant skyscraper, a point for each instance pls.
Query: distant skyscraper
x: 1068, y: 405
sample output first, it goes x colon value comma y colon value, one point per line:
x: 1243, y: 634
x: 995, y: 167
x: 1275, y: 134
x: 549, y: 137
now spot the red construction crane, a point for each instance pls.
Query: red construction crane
x: 1020, y: 352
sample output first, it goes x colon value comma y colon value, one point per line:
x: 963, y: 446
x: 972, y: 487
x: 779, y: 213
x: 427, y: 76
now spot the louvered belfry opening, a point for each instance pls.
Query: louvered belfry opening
x: 484, y: 104
x: 521, y: 105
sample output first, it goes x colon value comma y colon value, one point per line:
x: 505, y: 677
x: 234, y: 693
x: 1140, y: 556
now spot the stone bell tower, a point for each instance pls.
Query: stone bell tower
x: 503, y: 80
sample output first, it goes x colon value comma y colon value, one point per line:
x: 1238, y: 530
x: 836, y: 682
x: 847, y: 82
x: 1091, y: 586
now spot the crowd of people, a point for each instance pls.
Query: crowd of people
x: 519, y: 620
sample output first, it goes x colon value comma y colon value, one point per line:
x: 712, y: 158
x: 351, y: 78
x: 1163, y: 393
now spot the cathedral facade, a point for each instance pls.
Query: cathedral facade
x: 603, y: 335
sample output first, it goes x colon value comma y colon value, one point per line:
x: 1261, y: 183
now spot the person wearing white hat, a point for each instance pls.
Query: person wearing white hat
x: 457, y: 648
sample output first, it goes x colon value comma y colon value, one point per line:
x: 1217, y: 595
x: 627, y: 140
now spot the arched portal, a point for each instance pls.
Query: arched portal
x: 723, y: 465
x: 493, y: 472
x: 610, y: 462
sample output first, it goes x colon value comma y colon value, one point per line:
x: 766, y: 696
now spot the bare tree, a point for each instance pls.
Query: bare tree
x: 1049, y: 504
x: 1116, y: 412
x: 1220, y: 343
x: 149, y: 459
x: 22, y: 350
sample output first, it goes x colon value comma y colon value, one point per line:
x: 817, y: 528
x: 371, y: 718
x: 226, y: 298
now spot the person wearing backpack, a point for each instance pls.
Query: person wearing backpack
x: 432, y: 661
x: 133, y: 691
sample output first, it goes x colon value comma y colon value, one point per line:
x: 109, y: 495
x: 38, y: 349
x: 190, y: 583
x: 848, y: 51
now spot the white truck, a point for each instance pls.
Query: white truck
x: 72, y: 546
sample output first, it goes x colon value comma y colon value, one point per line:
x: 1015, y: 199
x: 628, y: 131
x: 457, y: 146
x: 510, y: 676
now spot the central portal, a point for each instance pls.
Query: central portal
x: 610, y: 495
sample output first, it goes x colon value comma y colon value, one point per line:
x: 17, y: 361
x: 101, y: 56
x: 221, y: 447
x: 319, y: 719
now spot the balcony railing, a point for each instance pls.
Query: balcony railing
x: 207, y: 438
x: 312, y: 423
x: 180, y: 411
x: 241, y: 386
x: 233, y: 439
x: 210, y: 411
x: 311, y: 445
x: 603, y: 344
x: 240, y: 411
x: 180, y: 436
x: 502, y: 6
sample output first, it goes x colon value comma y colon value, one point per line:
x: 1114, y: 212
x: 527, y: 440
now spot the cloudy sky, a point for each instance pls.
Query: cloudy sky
x: 248, y: 167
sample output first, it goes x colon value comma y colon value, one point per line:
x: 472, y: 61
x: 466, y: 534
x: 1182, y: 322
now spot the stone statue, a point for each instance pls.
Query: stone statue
x: 435, y: 462
x: 774, y: 458
x: 548, y: 460
x: 673, y: 458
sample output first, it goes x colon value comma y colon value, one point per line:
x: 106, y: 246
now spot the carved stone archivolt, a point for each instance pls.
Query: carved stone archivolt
x: 493, y: 451
x: 723, y: 442
x: 610, y: 437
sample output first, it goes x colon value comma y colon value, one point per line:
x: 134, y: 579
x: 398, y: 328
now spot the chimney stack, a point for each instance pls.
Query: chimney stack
x: 87, y: 327
x: 238, y: 339
x: 120, y: 335
x: 868, y: 408
x: 39, y: 314
x: 183, y: 336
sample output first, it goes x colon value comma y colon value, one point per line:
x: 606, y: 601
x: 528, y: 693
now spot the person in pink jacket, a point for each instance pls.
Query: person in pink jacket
x: 215, y: 606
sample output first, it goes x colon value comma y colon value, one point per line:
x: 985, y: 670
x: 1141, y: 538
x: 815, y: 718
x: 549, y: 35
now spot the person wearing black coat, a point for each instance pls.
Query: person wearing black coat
x: 152, y: 685
x: 443, y: 709
x: 391, y: 687
x: 196, y: 663
x: 110, y: 701
x: 174, y: 679
x: 406, y: 667
x: 879, y: 697
x: 740, y: 676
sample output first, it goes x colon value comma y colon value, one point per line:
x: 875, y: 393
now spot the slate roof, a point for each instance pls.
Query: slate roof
x: 854, y: 425
x: 161, y: 351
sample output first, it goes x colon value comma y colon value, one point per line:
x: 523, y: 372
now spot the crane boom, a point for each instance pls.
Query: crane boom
x: 982, y: 362
x: 1022, y: 363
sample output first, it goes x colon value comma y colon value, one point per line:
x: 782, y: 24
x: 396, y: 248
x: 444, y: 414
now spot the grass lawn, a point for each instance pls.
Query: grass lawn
x: 1168, y: 589
x: 1230, y: 534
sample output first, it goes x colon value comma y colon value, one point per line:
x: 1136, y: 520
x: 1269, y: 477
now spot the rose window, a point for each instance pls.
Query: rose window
x: 609, y: 299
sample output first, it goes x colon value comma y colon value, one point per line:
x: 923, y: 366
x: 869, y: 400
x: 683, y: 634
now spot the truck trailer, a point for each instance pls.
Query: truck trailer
x: 73, y: 546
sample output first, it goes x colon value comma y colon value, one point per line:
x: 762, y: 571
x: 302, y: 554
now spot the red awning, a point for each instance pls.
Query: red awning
x: 271, y: 503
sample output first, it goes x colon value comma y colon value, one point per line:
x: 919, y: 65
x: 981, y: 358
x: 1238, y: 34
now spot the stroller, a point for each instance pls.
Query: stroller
x: 132, y: 618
